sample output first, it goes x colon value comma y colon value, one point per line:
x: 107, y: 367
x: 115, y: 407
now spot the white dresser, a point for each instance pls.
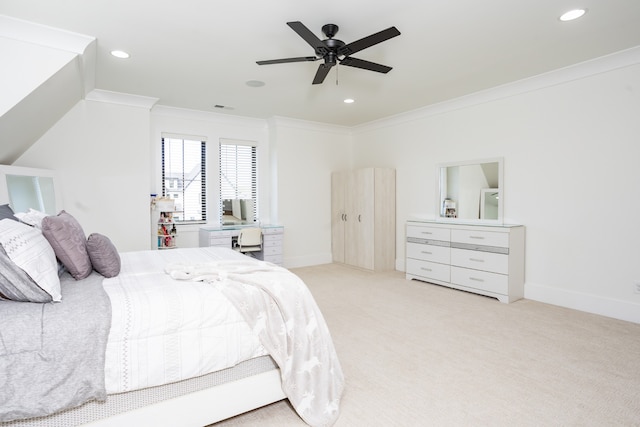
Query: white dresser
x: 484, y: 259
x: 272, y: 240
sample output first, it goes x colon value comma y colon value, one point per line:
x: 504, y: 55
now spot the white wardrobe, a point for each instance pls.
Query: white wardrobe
x: 363, y: 218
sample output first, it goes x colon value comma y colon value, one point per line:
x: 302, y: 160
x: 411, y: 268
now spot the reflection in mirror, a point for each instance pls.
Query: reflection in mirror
x: 471, y: 191
x: 29, y: 188
x: 489, y: 203
x: 238, y: 211
x: 36, y: 192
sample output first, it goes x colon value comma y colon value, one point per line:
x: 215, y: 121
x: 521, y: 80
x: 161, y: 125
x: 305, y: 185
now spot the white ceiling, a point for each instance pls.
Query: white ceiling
x: 195, y: 54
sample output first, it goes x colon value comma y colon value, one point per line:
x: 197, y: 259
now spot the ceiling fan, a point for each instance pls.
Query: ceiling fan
x: 333, y: 50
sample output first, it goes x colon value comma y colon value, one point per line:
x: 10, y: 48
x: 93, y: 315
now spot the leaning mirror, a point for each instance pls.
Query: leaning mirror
x: 471, y: 191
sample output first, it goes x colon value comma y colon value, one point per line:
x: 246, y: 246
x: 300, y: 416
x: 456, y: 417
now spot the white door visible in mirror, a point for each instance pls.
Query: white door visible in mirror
x: 489, y: 198
x: 463, y: 185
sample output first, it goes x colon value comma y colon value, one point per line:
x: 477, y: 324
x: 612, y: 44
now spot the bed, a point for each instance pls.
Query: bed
x: 176, y: 337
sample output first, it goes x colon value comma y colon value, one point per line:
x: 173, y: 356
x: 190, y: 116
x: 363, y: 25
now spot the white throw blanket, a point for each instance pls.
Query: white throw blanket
x: 279, y: 308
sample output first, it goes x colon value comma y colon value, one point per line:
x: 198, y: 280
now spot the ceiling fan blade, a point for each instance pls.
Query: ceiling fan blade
x: 365, y: 65
x: 285, y: 60
x: 368, y: 41
x: 309, y: 37
x: 323, y: 70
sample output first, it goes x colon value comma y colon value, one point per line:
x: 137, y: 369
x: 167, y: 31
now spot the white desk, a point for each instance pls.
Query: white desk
x: 272, y: 237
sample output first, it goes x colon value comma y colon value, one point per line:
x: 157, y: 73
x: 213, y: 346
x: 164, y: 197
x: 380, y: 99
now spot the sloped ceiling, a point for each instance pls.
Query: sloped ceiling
x: 46, y: 73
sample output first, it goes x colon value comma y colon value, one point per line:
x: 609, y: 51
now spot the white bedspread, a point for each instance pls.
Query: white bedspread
x: 282, y: 312
x: 165, y: 330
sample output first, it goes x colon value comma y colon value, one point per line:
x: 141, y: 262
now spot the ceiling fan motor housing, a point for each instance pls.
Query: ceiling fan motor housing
x: 330, y: 30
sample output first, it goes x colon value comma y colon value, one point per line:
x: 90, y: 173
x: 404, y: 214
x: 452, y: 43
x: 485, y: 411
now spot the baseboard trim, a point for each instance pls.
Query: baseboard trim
x: 617, y: 309
x: 307, y: 260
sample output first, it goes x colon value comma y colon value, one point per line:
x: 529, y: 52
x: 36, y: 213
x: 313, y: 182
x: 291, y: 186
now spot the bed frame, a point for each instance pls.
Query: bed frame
x: 195, y: 402
x: 196, y: 409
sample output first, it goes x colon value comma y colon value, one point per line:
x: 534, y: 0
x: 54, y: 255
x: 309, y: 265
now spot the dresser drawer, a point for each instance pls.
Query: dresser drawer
x: 428, y: 270
x: 482, y: 280
x: 429, y: 233
x: 484, y: 238
x: 432, y: 253
x: 478, y: 260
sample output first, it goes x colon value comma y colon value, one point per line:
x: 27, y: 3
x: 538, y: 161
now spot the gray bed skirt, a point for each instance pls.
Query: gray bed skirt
x: 124, y: 402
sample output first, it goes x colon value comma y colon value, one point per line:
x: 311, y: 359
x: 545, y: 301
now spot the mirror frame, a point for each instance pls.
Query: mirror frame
x: 29, y: 172
x: 441, y: 191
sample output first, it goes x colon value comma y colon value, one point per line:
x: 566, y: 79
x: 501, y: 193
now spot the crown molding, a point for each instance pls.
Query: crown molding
x: 614, y: 61
x: 120, y: 98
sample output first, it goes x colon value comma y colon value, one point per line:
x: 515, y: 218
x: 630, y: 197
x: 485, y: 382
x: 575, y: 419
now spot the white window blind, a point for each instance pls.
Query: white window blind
x: 184, y: 177
x: 238, y: 173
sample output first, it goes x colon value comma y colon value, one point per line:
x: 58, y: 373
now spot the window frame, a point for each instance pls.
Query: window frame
x: 253, y: 174
x: 170, y: 190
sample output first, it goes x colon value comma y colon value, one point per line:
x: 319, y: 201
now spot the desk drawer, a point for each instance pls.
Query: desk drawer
x: 273, y: 239
x: 272, y: 230
x: 428, y: 270
x: 429, y: 233
x: 484, y: 238
x: 491, y: 282
x: 431, y: 253
x: 271, y: 250
x: 220, y: 241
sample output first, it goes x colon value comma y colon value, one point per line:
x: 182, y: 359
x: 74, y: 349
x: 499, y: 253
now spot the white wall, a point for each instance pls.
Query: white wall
x: 306, y: 155
x: 101, y: 154
x: 571, y: 153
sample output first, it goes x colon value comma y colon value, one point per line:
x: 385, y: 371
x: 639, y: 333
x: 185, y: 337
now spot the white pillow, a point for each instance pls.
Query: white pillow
x: 29, y: 250
x: 33, y: 217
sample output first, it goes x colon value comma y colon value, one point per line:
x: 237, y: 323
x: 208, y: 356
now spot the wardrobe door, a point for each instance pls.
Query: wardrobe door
x: 338, y: 215
x: 360, y: 221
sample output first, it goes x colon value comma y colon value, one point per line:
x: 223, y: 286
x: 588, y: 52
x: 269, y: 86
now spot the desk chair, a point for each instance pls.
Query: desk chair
x: 249, y: 240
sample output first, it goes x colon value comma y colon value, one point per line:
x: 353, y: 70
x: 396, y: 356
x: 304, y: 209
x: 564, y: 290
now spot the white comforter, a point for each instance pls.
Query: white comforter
x: 165, y: 330
x: 281, y: 311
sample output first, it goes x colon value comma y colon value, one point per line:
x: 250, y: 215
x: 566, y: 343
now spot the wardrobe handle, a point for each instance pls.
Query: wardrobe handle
x: 359, y: 218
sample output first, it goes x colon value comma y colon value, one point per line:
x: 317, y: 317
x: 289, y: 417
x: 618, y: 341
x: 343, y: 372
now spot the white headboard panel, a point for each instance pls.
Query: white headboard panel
x: 25, y: 188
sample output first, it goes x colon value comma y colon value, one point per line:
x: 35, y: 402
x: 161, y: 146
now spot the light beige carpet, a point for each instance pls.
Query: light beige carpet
x: 416, y: 354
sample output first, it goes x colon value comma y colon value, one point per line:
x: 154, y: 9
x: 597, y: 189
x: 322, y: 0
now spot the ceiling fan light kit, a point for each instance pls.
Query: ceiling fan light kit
x: 333, y: 51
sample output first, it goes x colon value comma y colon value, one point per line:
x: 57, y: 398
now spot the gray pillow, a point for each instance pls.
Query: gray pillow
x: 16, y: 285
x: 104, y: 255
x: 7, y: 212
x: 69, y: 243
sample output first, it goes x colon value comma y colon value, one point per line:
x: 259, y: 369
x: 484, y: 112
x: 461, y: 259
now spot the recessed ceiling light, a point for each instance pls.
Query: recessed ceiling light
x: 120, y: 54
x: 255, y: 83
x: 349, y: 101
x: 573, y: 14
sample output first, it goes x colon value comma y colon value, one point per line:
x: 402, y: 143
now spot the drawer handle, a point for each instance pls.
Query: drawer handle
x: 475, y: 279
x: 476, y: 259
x: 427, y: 253
x: 476, y: 237
x: 425, y: 269
x: 426, y: 232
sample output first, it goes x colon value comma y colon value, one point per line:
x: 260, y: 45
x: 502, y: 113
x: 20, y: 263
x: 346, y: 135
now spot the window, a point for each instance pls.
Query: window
x: 238, y: 181
x: 184, y: 177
